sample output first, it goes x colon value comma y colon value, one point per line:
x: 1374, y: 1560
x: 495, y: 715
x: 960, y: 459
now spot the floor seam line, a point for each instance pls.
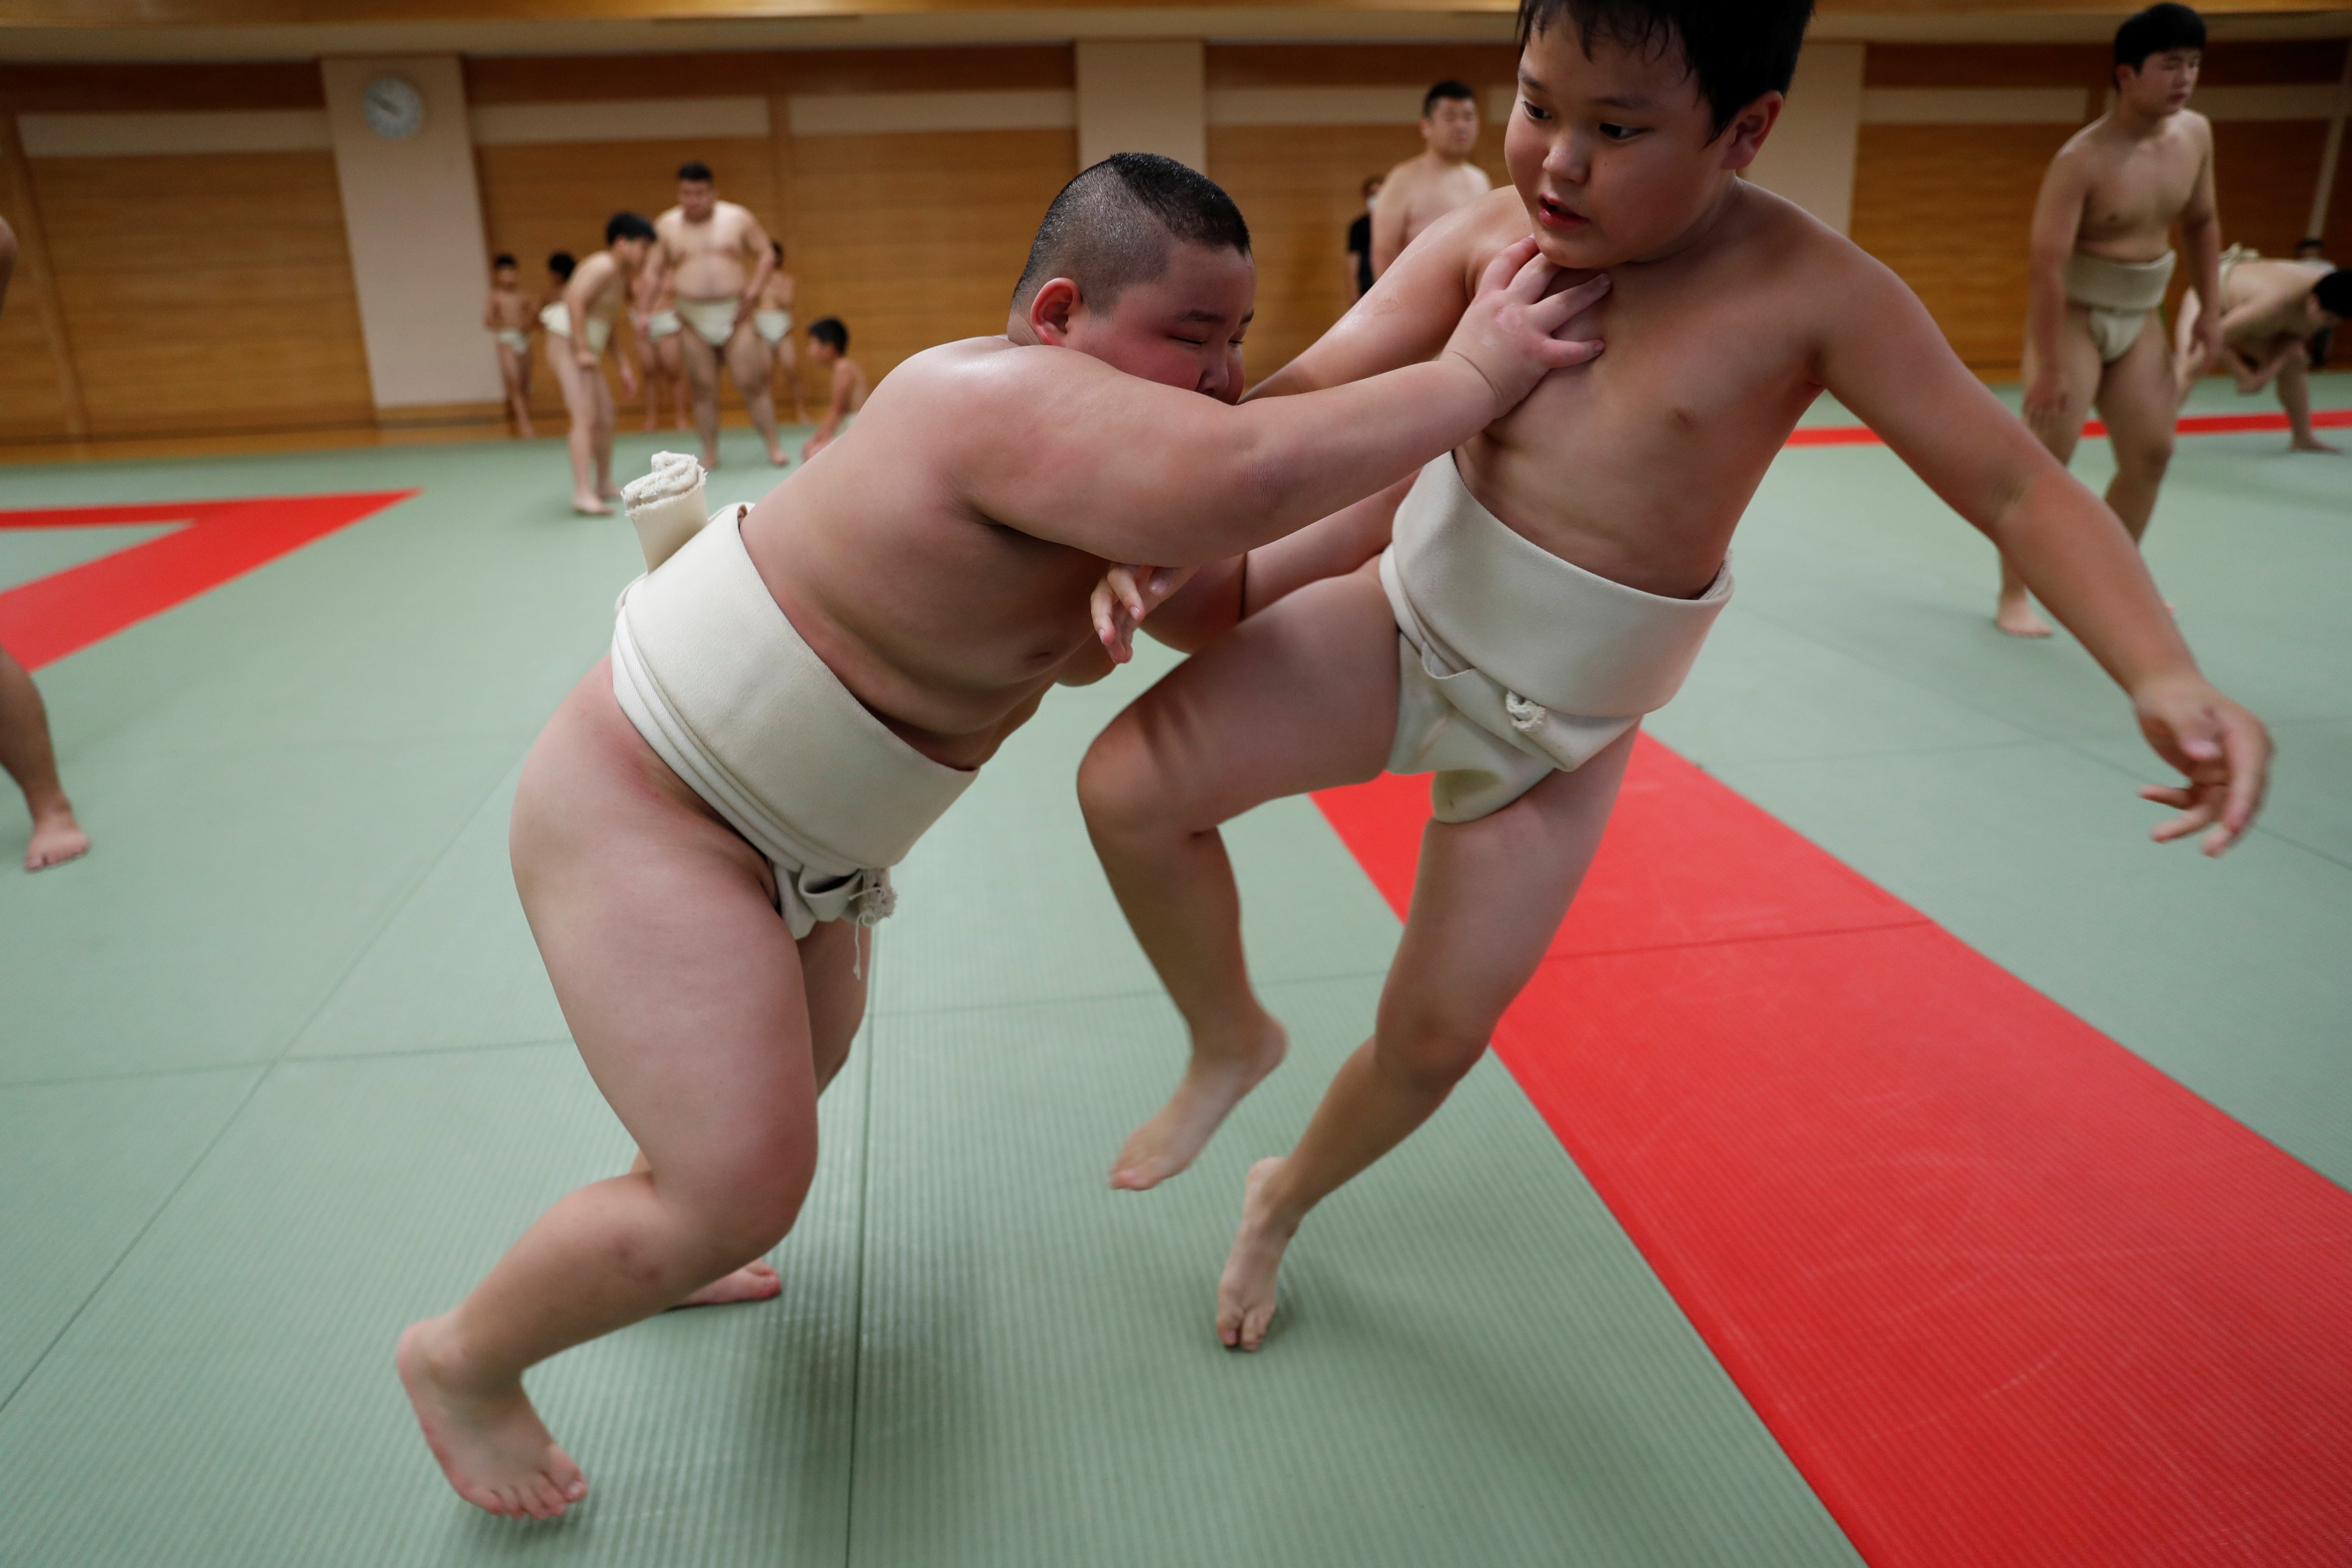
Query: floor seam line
x: 34, y: 1366
x: 1917, y: 921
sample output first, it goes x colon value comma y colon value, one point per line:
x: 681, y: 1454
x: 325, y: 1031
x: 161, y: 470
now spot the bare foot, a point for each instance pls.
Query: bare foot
x: 1213, y: 1084
x: 1246, y: 1294
x: 57, y: 838
x: 494, y: 1448
x: 778, y: 458
x: 752, y: 1282
x: 2018, y: 618
x: 590, y: 506
x: 528, y: 433
x: 2313, y: 445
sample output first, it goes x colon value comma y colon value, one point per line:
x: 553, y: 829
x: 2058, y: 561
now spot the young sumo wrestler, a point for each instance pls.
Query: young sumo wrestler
x: 795, y: 694
x: 1551, y: 578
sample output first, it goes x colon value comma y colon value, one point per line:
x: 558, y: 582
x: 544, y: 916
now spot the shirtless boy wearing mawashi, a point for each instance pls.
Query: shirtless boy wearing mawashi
x: 2271, y: 313
x: 844, y: 380
x: 661, y: 364
x: 798, y: 689
x: 1552, y: 579
x: 2102, y: 254
x: 508, y: 315
x: 579, y: 328
x: 1436, y: 180
x: 773, y: 319
x: 715, y: 257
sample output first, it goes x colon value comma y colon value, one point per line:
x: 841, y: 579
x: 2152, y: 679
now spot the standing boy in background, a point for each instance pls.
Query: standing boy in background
x: 829, y: 347
x: 1359, y: 244
x: 1424, y: 188
x: 25, y: 748
x: 658, y: 357
x: 2102, y: 254
x: 774, y: 322
x: 510, y: 314
x: 578, y: 336
x: 715, y: 257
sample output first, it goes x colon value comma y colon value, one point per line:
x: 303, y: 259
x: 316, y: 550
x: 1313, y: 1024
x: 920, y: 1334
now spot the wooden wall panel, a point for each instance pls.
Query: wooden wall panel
x: 557, y: 79
x: 1949, y: 208
x: 917, y: 240
x: 558, y: 195
x: 1360, y: 65
x: 205, y: 292
x: 1299, y: 186
x: 2264, y: 173
x: 39, y: 398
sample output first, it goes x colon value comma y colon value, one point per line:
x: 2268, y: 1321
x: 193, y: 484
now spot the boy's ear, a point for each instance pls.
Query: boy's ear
x: 1744, y: 137
x: 1051, y: 308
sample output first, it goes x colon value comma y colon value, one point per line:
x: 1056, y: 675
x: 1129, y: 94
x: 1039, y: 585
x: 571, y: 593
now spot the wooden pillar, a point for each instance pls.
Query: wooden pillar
x: 36, y: 276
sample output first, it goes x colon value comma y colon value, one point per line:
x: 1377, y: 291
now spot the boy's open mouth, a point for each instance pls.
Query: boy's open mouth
x: 1555, y: 214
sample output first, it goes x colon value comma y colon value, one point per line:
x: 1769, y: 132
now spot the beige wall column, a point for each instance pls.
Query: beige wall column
x: 413, y: 216
x: 1143, y: 97
x: 1809, y: 157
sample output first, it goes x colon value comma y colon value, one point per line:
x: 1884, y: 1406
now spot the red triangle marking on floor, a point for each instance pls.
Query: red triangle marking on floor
x: 44, y: 620
x: 2004, y: 1293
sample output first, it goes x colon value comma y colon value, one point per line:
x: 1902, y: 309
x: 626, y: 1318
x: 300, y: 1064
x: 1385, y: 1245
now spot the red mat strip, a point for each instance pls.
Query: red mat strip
x: 2005, y: 1294
x: 2195, y: 425
x: 44, y: 620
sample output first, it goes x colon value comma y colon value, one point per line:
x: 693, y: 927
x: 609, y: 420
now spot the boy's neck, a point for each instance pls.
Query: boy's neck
x: 2134, y: 123
x: 1700, y: 231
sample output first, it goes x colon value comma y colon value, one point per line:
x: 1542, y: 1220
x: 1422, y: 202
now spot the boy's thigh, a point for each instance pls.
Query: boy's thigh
x: 747, y: 356
x: 2139, y: 394
x: 1488, y: 897
x: 1301, y: 695
x: 680, y: 983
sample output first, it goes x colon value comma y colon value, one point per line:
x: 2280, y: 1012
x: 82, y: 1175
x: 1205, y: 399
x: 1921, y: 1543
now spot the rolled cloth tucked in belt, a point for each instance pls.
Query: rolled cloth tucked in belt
x: 723, y: 689
x: 1513, y: 663
x: 772, y: 324
x: 666, y: 506
x: 556, y: 318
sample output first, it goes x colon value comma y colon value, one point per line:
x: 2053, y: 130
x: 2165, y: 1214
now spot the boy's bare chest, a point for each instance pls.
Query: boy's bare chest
x: 2139, y: 188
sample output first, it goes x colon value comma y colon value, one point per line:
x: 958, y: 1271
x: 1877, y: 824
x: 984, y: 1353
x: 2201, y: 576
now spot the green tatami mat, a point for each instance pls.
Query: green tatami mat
x: 280, y: 1072
x: 229, y: 1397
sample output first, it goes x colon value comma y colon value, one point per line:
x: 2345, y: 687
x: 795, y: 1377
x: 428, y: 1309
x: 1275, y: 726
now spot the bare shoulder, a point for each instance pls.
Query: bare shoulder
x: 1815, y: 277
x: 1473, y: 232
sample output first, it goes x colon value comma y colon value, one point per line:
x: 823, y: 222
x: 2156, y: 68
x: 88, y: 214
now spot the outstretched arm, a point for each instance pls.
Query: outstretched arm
x: 1882, y: 356
x: 1074, y: 451
x: 1401, y: 319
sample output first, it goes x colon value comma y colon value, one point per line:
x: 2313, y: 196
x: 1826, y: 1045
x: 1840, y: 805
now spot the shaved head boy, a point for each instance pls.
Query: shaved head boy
x: 797, y: 693
x: 1552, y: 579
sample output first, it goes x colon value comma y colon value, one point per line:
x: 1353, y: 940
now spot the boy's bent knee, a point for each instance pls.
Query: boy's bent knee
x: 1119, y: 786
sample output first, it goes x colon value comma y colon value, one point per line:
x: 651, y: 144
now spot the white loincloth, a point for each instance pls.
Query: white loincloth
x: 713, y: 320
x: 1513, y: 663
x: 514, y: 338
x: 772, y: 324
x: 557, y: 319
x: 724, y: 689
x: 2119, y: 295
x: 662, y: 324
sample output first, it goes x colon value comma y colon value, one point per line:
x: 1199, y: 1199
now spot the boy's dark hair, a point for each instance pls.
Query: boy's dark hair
x: 627, y: 226
x: 695, y: 169
x: 501, y: 259
x: 1448, y: 89
x: 2334, y: 293
x: 2154, y: 30
x: 1112, y: 226
x: 1372, y: 183
x: 561, y: 263
x: 1735, y: 51
x: 831, y: 331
